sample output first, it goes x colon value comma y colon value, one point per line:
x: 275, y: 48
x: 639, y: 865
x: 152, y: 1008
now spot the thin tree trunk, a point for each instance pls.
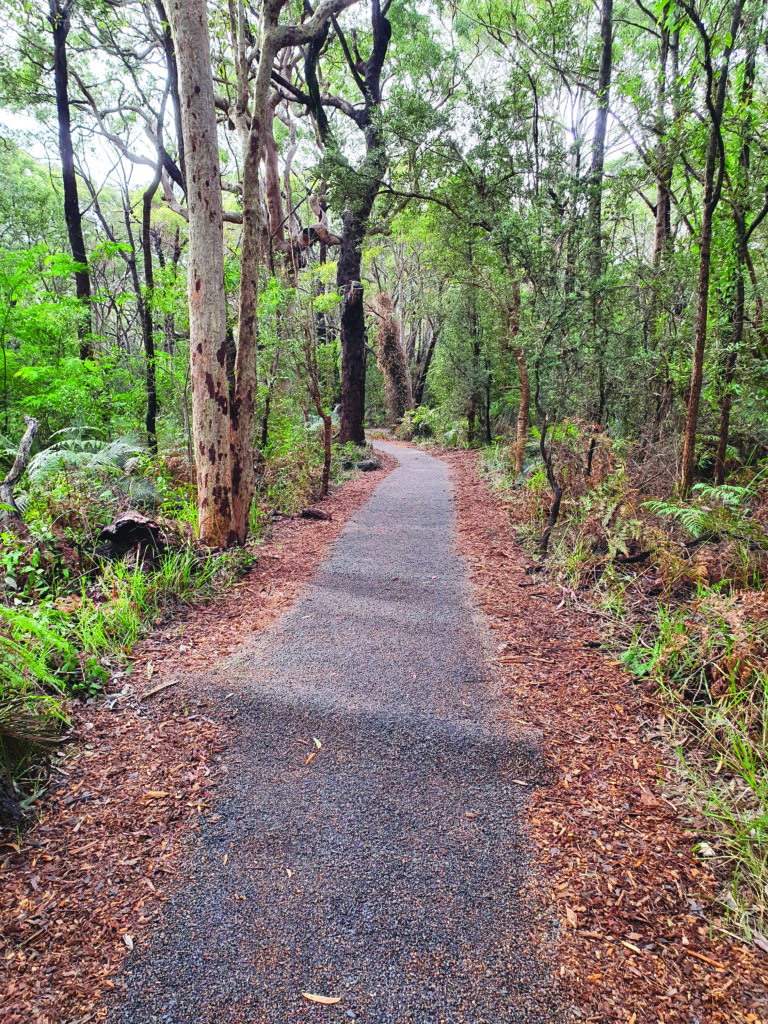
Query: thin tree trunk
x: 487, y: 410
x: 207, y: 301
x: 742, y: 256
x: 252, y: 254
x: 523, y: 412
x: 421, y: 382
x: 569, y: 277
x: 524, y: 408
x: 598, y: 142
x: 557, y: 492
x: 148, y: 325
x: 595, y: 260
x: 670, y: 42
x: 142, y: 302
x: 472, y: 409
x: 268, y: 399
x: 274, y: 37
x: 726, y: 404
x: 664, y: 158
x: 327, y: 438
x: 60, y: 23
x: 713, y: 178
x: 173, y: 80
x: 758, y: 321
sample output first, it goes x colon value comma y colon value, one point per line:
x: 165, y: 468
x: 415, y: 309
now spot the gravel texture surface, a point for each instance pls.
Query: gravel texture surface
x: 386, y: 867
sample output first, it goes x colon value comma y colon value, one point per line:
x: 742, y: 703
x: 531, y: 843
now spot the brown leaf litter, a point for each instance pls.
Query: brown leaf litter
x: 614, y: 851
x: 81, y: 887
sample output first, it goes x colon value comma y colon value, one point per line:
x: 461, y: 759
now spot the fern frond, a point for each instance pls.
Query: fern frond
x: 84, y: 455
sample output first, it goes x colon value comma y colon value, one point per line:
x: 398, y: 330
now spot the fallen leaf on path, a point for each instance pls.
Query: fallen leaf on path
x: 318, y: 744
x: 311, y: 758
x: 571, y: 917
x: 323, y: 1000
x: 647, y: 798
x: 128, y: 940
x: 629, y: 945
x: 155, y: 794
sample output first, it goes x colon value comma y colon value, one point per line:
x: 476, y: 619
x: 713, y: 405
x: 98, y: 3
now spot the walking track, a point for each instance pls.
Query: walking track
x: 390, y: 871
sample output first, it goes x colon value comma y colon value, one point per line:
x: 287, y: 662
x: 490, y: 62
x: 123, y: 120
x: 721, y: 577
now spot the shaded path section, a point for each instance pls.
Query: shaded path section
x: 389, y: 870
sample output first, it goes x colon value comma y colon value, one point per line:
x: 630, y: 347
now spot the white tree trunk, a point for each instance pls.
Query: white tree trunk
x: 207, y: 300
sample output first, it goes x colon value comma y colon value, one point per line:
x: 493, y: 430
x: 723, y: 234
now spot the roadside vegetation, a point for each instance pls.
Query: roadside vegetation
x: 680, y: 588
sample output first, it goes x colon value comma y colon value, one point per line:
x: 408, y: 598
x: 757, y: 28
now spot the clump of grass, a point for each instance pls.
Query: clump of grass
x: 707, y: 661
x: 52, y: 651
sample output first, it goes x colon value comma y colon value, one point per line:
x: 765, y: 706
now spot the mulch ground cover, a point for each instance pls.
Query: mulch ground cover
x: 80, y: 887
x: 639, y: 939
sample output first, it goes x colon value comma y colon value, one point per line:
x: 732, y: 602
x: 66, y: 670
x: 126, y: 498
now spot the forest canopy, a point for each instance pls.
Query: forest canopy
x: 563, y: 207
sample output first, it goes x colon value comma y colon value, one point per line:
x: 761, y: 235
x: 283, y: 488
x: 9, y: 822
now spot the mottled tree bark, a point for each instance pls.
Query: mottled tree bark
x: 207, y: 302
x: 17, y: 469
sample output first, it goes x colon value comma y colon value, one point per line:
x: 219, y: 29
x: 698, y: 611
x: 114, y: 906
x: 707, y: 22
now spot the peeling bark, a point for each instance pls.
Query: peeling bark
x: 391, y: 359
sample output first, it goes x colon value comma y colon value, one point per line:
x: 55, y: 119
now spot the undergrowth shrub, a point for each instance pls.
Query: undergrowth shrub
x: 427, y: 425
x: 683, y: 582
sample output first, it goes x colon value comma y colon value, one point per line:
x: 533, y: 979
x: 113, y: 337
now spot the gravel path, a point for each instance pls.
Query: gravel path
x: 390, y: 871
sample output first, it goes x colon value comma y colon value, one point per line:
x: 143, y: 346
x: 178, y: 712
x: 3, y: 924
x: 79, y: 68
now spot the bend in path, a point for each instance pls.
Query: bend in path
x: 391, y: 870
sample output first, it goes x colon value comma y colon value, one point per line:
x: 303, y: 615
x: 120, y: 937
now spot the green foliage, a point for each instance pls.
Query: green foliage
x: 724, y: 511
x: 708, y: 661
x: 81, y: 453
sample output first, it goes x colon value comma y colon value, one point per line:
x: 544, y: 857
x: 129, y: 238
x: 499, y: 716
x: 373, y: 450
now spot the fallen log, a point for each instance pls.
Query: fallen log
x: 11, y: 509
x: 315, y: 513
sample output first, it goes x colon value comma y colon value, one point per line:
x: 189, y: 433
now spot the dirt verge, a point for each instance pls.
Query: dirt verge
x: 81, y: 887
